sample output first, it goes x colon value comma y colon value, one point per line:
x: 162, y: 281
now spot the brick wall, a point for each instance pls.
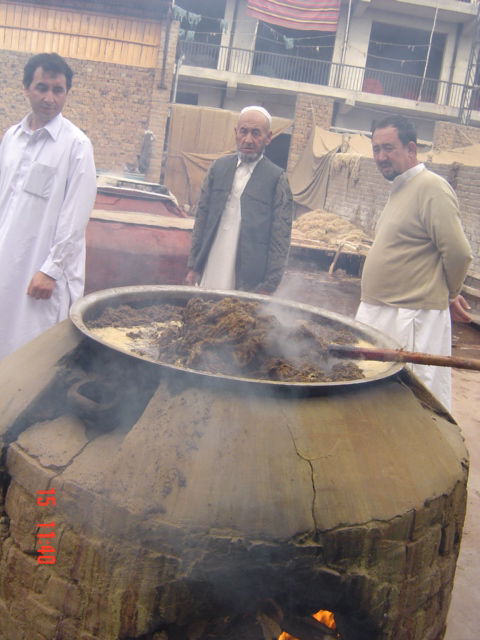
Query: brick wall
x: 114, y: 104
x: 309, y: 111
x: 358, y: 192
x: 448, y: 135
x: 111, y: 103
x: 466, y: 182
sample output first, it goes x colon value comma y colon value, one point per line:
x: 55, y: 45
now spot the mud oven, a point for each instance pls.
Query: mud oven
x: 191, y: 507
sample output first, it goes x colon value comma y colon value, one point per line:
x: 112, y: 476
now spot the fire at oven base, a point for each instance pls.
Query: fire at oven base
x: 123, y: 587
x: 206, y: 503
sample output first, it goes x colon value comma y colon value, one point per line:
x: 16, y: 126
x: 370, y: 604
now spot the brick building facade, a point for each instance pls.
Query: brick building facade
x: 115, y: 104
x: 310, y: 111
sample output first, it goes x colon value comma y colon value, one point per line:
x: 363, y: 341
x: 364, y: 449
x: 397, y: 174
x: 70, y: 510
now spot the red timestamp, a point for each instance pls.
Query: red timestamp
x: 46, y: 530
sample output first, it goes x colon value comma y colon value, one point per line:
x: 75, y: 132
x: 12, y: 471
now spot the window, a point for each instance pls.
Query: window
x: 396, y: 62
x: 305, y: 56
x: 183, y: 97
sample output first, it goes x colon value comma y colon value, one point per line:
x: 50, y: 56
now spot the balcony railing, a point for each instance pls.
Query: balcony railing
x: 342, y: 76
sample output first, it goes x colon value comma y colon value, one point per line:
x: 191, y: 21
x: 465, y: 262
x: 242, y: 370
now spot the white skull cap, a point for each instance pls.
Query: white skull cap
x: 261, y: 109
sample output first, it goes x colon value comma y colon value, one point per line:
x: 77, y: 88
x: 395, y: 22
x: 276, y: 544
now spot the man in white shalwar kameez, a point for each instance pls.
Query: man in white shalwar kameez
x: 47, y: 191
x: 415, y: 269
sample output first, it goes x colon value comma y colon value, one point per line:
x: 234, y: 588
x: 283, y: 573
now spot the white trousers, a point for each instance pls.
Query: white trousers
x: 428, y: 331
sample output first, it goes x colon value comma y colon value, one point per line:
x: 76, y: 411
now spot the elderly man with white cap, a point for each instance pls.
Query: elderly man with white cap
x: 243, y: 219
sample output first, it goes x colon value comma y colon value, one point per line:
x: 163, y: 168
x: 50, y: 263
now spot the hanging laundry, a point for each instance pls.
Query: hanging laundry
x: 193, y: 18
x: 179, y: 13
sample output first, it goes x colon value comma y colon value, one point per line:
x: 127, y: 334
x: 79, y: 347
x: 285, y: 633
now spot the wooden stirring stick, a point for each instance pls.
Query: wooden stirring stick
x: 394, y: 355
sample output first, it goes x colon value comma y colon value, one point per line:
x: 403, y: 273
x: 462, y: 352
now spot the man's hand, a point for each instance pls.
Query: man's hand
x: 192, y: 278
x: 458, y: 307
x: 41, y: 286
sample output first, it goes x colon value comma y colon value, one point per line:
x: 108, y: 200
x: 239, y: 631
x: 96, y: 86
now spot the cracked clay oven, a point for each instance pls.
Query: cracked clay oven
x: 183, y: 501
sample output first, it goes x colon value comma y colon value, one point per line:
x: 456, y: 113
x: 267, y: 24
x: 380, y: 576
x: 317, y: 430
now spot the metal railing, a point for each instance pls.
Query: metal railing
x: 342, y: 76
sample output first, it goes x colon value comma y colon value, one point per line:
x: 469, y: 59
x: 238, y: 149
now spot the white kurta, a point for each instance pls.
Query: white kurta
x: 219, y: 272
x: 47, y: 191
x: 423, y: 330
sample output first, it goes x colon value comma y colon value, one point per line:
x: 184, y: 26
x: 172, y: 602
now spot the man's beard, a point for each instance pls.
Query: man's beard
x: 391, y: 176
x: 248, y: 157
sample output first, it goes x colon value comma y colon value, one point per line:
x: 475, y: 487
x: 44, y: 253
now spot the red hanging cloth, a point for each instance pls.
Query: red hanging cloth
x: 309, y: 15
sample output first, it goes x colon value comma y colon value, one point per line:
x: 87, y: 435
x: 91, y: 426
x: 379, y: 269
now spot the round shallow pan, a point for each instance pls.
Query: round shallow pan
x: 87, y: 309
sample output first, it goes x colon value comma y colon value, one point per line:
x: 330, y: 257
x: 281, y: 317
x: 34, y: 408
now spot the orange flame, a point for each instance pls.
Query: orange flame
x: 325, y: 617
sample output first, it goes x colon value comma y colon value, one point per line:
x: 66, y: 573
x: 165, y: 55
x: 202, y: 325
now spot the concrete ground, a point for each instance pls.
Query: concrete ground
x: 463, y: 621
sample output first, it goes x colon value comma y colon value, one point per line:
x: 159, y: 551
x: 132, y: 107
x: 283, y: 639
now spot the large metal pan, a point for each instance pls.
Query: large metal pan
x: 87, y: 309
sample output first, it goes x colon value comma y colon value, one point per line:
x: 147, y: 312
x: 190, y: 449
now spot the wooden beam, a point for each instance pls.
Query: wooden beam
x: 153, y: 9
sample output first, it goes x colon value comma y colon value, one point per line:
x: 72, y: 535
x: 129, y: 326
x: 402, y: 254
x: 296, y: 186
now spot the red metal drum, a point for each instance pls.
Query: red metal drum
x: 135, y: 248
x: 137, y: 234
